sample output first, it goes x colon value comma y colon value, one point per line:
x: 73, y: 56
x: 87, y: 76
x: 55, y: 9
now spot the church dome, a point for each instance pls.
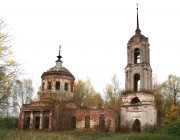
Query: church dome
x: 58, y: 69
x: 138, y: 38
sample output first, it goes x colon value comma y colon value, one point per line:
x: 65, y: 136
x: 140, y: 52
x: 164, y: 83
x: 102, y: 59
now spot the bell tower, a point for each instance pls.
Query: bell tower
x: 138, y: 110
x: 138, y: 70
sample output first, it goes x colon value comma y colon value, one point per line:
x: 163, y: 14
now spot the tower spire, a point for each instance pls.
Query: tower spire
x: 59, y: 61
x: 138, y: 31
x: 59, y: 56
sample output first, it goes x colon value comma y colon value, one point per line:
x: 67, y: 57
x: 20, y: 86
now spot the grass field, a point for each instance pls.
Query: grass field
x: 13, y: 134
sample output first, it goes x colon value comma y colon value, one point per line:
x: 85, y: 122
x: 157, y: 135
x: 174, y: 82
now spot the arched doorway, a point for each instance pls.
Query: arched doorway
x: 136, y: 126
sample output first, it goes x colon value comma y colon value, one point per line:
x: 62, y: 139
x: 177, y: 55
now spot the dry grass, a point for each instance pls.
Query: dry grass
x: 13, y: 134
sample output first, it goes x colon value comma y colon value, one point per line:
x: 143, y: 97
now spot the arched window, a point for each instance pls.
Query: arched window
x: 57, y: 85
x: 135, y: 100
x: 136, y: 82
x: 136, y: 56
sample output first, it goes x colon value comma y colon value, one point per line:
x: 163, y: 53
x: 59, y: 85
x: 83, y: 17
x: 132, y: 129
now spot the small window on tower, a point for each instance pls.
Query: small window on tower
x: 66, y: 86
x: 135, y: 100
x: 43, y: 86
x: 136, y: 56
x: 49, y: 85
x: 136, y: 82
x: 72, y: 87
x: 57, y: 85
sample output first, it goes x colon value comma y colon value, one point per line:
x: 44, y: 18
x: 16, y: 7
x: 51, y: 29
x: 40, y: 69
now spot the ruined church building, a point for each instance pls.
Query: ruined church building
x: 56, y: 110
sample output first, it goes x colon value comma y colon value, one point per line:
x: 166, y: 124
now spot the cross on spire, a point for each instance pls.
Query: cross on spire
x: 138, y: 31
x: 59, y: 56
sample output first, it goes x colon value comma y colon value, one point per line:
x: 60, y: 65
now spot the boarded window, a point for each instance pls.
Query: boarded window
x: 49, y: 85
x: 73, y: 122
x: 87, y: 122
x: 57, y: 85
x: 66, y: 86
x: 136, y: 56
x: 102, y: 122
x: 136, y: 126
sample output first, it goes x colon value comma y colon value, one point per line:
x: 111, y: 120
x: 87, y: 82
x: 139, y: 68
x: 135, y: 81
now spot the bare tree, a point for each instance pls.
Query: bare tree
x: 22, y: 93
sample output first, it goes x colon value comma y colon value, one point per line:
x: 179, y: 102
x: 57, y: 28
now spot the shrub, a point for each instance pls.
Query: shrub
x: 8, y: 122
x: 173, y: 128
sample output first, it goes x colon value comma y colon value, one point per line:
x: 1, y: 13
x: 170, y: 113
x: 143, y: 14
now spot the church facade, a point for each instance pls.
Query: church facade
x: 56, y: 110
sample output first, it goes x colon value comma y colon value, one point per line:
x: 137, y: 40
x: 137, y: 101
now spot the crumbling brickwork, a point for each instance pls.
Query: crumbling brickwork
x: 56, y: 110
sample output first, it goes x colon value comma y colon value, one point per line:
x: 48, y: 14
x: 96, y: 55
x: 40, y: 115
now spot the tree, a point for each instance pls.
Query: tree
x: 172, y: 114
x: 167, y: 97
x: 112, y: 94
x: 22, y: 93
x: 79, y: 92
x: 171, y: 89
x: 86, y: 96
x: 159, y: 103
x: 8, y: 69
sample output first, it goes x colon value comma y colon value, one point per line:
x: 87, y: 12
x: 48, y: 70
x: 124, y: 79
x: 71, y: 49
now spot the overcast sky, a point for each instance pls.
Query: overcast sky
x: 93, y: 35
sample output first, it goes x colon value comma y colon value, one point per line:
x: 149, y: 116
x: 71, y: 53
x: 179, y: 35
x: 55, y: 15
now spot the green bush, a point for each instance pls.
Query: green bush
x: 173, y: 128
x: 8, y: 122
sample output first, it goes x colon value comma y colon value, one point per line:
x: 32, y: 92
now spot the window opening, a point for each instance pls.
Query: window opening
x: 71, y: 87
x: 57, y: 85
x: 73, y: 122
x: 135, y: 100
x: 66, y: 87
x: 136, y: 82
x: 136, y: 56
x: 87, y: 122
x: 101, y: 122
x: 43, y: 86
x: 49, y: 85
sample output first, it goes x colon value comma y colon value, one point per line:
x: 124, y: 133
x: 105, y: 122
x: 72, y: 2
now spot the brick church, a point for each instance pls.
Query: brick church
x: 56, y: 110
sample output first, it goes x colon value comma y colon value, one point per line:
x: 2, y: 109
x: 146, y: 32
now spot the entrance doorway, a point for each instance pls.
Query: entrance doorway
x: 136, y: 126
x: 37, y: 121
x: 46, y: 122
x: 27, y: 123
